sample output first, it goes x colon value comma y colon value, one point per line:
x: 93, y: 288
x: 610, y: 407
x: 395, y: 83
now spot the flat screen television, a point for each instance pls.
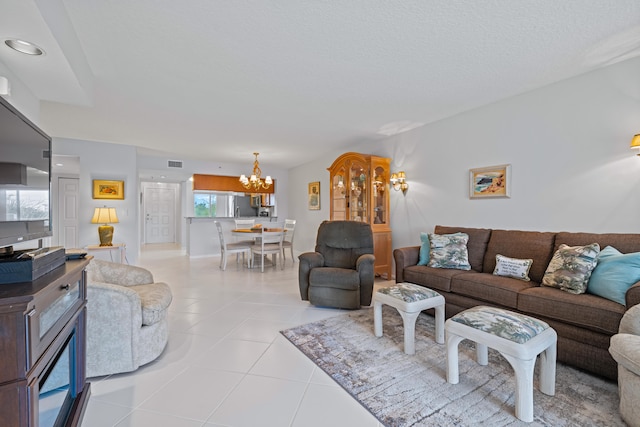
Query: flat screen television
x: 25, y: 179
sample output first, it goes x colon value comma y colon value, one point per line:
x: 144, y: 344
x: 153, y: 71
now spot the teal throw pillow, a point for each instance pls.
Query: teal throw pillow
x: 424, y: 249
x: 449, y: 251
x: 614, y: 274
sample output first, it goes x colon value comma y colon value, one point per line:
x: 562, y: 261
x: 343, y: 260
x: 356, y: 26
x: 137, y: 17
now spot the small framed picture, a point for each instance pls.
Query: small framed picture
x: 108, y: 189
x: 314, y: 196
x: 490, y: 182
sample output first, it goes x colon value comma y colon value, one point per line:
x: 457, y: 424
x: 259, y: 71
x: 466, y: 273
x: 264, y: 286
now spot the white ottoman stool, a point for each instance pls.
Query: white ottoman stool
x: 519, y: 338
x: 409, y: 300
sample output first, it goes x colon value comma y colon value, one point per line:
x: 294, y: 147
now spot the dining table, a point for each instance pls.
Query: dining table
x: 255, y: 233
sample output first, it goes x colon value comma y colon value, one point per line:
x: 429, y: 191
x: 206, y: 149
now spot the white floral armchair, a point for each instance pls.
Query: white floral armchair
x: 127, y: 324
x: 625, y: 349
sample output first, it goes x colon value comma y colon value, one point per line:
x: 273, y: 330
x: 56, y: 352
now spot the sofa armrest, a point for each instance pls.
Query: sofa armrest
x: 630, y: 323
x: 405, y: 257
x: 112, y: 310
x: 365, y: 267
x: 625, y: 349
x: 119, y: 274
x: 632, y: 296
x: 308, y: 260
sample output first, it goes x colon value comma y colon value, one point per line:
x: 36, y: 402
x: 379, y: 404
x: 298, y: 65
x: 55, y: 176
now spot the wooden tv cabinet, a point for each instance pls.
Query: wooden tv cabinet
x: 43, y: 326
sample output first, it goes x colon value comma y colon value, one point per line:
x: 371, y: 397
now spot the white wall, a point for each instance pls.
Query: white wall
x: 568, y: 144
x: 110, y: 162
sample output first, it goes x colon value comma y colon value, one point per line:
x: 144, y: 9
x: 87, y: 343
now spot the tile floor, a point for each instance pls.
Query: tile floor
x: 226, y: 364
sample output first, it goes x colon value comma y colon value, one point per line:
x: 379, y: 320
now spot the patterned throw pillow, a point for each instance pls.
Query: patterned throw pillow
x: 513, y: 267
x: 424, y: 249
x: 449, y: 251
x: 571, y: 267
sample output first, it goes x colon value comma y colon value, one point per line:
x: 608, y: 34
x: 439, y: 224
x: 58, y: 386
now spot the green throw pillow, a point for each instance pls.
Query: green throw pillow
x: 449, y: 251
x: 424, y: 249
x: 615, y: 274
x: 571, y: 267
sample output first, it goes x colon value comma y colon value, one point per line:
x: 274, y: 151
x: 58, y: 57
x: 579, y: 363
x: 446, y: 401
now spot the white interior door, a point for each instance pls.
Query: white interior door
x: 68, y: 193
x: 159, y: 206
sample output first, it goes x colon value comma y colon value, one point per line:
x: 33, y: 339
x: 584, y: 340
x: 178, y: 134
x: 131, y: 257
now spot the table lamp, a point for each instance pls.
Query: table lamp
x: 105, y: 216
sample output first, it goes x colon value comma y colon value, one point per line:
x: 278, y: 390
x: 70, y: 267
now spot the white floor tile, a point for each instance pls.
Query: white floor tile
x: 102, y: 414
x: 193, y: 394
x: 344, y: 410
x: 283, y: 360
x: 141, y: 418
x: 232, y: 355
x: 260, y: 401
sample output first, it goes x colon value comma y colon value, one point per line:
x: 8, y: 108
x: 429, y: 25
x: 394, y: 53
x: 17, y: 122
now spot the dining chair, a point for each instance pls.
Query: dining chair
x: 237, y: 248
x: 290, y: 228
x: 269, y: 243
x: 244, y: 223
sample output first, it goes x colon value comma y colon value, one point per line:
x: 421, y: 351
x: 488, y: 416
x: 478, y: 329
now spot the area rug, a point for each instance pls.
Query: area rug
x: 403, y: 390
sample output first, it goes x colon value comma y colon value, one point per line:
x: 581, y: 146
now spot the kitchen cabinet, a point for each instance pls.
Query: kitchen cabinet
x: 359, y: 191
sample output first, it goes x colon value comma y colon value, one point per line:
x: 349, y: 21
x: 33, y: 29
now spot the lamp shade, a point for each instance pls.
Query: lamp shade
x: 635, y: 141
x: 104, y: 216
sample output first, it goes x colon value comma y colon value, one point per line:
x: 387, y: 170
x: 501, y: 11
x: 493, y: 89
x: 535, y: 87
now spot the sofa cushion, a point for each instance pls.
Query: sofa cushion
x: 585, y: 311
x: 476, y: 246
x: 434, y: 278
x: 534, y: 245
x: 492, y: 289
x: 614, y: 274
x: 449, y: 251
x: 513, y: 267
x: 571, y: 267
x: 155, y: 298
x: 425, y: 248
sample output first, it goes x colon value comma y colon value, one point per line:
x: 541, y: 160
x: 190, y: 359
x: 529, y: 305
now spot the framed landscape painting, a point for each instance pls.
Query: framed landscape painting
x: 492, y: 181
x: 108, y: 189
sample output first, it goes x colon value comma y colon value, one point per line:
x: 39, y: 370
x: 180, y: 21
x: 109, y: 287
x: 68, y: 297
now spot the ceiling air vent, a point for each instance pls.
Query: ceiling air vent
x: 174, y: 164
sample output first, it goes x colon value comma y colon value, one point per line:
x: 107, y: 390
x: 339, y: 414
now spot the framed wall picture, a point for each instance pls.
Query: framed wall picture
x: 108, y: 189
x: 314, y: 196
x: 492, y: 181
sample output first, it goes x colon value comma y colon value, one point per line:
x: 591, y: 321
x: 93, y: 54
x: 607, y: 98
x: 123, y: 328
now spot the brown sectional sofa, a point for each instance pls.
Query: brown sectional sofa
x: 584, y: 323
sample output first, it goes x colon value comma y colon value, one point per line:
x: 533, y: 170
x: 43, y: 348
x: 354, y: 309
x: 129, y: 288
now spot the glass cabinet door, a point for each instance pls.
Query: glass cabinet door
x: 358, y: 205
x: 380, y: 214
x: 339, y: 194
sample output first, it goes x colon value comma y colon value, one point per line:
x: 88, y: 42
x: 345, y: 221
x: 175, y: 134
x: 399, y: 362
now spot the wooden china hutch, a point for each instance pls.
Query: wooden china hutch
x: 359, y: 185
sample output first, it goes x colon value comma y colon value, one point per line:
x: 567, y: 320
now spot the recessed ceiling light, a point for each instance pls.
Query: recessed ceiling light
x: 24, y: 47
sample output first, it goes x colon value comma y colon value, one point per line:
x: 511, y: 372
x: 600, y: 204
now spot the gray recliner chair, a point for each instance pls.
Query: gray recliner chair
x: 340, y: 272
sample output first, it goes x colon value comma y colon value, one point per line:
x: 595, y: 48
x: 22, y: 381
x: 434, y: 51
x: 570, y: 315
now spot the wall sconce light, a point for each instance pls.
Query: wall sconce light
x: 105, y: 216
x: 635, y: 143
x: 398, y: 181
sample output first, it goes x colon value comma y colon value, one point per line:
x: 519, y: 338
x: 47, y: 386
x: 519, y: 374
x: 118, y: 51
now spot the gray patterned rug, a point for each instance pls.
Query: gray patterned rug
x: 402, y: 390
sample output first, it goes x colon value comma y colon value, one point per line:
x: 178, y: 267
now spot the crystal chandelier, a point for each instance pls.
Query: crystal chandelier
x: 255, y: 182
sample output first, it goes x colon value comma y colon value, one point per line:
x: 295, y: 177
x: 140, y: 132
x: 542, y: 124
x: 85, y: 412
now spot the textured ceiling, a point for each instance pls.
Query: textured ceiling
x: 292, y: 79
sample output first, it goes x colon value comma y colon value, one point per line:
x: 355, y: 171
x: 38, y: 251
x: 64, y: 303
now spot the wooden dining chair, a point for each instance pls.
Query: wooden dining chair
x: 269, y: 243
x: 237, y: 248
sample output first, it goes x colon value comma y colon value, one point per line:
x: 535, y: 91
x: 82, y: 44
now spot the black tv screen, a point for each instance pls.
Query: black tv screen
x: 25, y: 178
